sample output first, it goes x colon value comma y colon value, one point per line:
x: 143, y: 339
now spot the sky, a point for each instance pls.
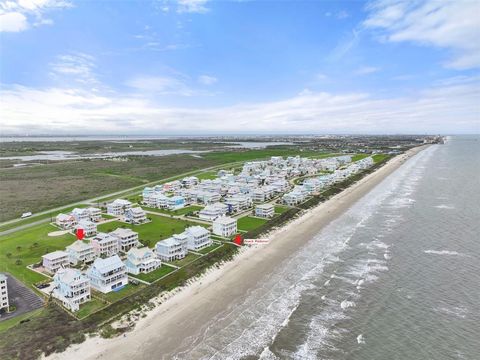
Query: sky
x: 211, y: 67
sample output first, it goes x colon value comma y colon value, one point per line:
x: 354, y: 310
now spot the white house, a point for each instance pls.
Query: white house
x: 213, y: 211
x: 80, y: 251
x: 141, y: 260
x: 156, y: 200
x: 4, y: 303
x: 108, y: 274
x: 55, y: 260
x: 95, y: 214
x: 72, y: 288
x: 175, y: 202
x: 198, y: 237
x: 89, y: 227
x: 65, y: 221
x: 189, y: 181
x: 118, y: 207
x: 105, y: 244
x: 80, y: 214
x: 224, y: 226
x: 135, y: 215
x: 126, y: 238
x: 265, y: 210
x: 173, y: 248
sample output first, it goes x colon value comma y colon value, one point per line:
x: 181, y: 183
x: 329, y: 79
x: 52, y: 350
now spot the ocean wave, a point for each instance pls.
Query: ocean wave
x: 360, y: 339
x: 345, y: 304
x: 444, y: 206
x: 443, y: 252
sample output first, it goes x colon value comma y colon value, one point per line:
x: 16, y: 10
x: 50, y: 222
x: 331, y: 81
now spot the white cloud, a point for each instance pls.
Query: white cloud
x: 365, y: 70
x: 13, y: 22
x: 192, y: 6
x: 342, y: 15
x: 17, y: 16
x: 161, y: 85
x: 449, y: 107
x: 444, y: 24
x: 75, y: 66
x: 207, y: 80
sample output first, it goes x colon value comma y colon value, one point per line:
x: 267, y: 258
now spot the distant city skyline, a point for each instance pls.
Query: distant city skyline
x: 198, y: 67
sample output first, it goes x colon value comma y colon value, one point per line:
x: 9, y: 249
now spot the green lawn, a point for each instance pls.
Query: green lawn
x: 248, y: 223
x: 280, y: 209
x: 210, y: 248
x: 187, y: 259
x: 28, y: 246
x: 154, y: 275
x: 117, y: 295
x: 161, y: 227
x: 379, y: 157
x: 89, y: 308
x: 183, y: 211
x: 357, y: 157
x: 207, y: 175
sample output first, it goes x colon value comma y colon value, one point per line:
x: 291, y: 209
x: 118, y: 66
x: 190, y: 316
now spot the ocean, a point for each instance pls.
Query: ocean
x: 395, y: 277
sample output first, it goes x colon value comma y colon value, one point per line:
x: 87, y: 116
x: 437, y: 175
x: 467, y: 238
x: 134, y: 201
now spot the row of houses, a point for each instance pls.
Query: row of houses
x: 4, y: 301
x: 300, y: 192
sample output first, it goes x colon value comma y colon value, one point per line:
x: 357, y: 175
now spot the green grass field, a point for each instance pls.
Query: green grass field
x: 179, y: 212
x: 207, y: 175
x: 359, y: 157
x: 161, y: 227
x: 248, y: 223
x: 28, y: 246
x: 379, y: 157
x: 90, y: 307
x: 280, y: 209
x: 156, y: 274
x: 209, y: 248
x: 187, y: 259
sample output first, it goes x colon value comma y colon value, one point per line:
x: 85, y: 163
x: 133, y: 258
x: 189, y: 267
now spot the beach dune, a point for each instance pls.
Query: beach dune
x: 162, y: 332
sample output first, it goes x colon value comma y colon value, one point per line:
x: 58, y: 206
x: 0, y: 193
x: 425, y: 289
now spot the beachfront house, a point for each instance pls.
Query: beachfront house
x: 265, y: 210
x: 4, y: 302
x: 135, y: 215
x: 198, y: 237
x: 105, y: 245
x: 141, y: 260
x: 126, y: 238
x: 80, y: 252
x: 65, y: 221
x: 89, y: 227
x: 213, y: 211
x: 173, y: 248
x: 72, y: 288
x: 108, y: 274
x: 55, y: 260
x: 224, y: 226
x: 118, y: 207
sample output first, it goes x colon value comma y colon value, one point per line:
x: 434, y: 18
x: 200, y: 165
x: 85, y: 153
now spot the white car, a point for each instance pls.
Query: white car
x: 25, y: 215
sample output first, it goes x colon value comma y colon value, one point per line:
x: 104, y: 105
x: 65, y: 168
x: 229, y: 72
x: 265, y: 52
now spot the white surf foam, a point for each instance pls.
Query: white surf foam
x: 444, y: 252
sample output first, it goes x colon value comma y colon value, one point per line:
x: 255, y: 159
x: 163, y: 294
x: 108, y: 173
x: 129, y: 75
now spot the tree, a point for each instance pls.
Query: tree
x: 9, y: 255
x: 19, y: 248
x: 18, y: 262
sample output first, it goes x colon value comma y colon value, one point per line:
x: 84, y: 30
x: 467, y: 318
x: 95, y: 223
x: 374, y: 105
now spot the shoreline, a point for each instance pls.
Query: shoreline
x: 188, y: 309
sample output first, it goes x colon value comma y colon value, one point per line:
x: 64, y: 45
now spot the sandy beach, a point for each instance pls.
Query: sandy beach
x: 183, y: 315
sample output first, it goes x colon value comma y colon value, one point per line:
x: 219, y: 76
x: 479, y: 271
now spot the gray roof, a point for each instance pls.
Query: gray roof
x: 108, y: 264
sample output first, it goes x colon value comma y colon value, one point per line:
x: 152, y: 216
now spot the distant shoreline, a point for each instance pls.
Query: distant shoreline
x: 189, y: 309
